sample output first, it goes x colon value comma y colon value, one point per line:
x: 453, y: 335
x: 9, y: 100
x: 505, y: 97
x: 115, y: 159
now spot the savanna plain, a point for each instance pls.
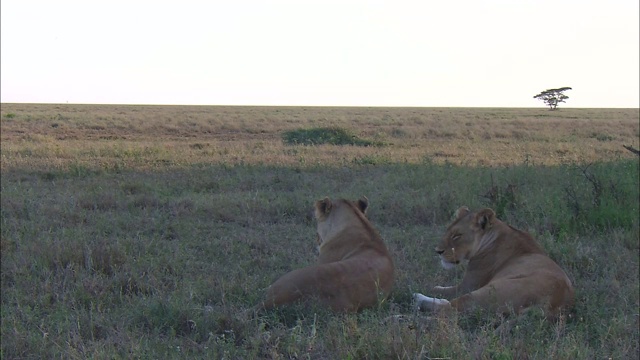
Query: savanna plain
x: 150, y: 231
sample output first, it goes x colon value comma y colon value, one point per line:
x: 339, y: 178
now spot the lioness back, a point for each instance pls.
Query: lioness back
x: 507, y: 269
x: 354, y: 269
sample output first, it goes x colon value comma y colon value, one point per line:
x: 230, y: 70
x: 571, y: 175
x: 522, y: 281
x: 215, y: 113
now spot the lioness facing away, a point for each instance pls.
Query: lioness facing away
x: 507, y: 269
x: 354, y: 269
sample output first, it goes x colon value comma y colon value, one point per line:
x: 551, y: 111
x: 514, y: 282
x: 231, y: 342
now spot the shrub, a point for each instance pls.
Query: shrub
x: 318, y: 136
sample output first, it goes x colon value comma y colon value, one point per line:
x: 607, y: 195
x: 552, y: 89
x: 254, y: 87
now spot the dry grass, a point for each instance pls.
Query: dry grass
x: 115, y: 137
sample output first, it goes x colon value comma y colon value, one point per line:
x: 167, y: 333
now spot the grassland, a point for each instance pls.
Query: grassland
x: 147, y: 231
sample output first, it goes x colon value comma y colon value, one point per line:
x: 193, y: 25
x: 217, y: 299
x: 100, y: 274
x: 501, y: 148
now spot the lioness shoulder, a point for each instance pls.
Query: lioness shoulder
x: 354, y: 269
x: 507, y: 270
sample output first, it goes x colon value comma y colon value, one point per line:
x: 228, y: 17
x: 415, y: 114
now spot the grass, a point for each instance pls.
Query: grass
x: 147, y: 231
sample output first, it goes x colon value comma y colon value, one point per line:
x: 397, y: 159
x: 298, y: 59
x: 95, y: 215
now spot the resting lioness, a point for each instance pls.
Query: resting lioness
x: 507, y: 269
x: 354, y: 269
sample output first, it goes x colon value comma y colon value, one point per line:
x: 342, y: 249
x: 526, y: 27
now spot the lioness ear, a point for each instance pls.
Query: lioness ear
x: 363, y: 204
x: 462, y: 212
x: 484, y: 218
x: 323, y: 207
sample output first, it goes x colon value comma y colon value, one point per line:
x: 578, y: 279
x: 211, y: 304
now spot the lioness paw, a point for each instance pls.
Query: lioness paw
x: 423, y: 303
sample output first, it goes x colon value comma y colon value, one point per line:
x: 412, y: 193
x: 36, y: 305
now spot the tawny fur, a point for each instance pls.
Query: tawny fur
x: 507, y: 270
x: 354, y: 269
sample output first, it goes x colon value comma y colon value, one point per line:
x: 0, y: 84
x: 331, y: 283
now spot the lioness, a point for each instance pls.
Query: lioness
x: 354, y: 269
x: 507, y: 269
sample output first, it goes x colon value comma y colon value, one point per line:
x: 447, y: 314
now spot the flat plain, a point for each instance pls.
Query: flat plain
x: 134, y: 231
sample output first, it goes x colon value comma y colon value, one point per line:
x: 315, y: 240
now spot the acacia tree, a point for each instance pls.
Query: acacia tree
x: 553, y: 97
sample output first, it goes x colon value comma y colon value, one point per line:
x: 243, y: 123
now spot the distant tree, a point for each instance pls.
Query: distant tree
x: 553, y: 97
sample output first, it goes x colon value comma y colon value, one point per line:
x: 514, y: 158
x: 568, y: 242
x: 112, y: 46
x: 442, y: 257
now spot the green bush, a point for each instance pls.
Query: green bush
x: 318, y: 136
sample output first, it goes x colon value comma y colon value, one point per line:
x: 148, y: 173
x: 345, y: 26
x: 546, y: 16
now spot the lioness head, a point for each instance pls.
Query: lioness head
x: 460, y: 240
x: 333, y: 216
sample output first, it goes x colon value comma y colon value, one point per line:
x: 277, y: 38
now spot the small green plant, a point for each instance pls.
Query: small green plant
x: 604, y: 137
x: 501, y: 199
x: 9, y: 115
x: 330, y: 135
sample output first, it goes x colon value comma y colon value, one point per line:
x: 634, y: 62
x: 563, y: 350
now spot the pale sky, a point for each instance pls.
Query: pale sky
x: 464, y: 53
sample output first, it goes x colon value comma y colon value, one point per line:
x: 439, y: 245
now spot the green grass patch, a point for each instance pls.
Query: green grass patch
x: 325, y: 135
x: 165, y: 264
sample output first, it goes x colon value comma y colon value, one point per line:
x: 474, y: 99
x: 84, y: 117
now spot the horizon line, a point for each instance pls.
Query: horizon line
x: 352, y: 106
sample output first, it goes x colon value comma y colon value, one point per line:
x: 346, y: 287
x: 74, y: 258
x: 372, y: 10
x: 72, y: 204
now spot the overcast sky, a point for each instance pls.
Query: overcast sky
x: 336, y: 53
